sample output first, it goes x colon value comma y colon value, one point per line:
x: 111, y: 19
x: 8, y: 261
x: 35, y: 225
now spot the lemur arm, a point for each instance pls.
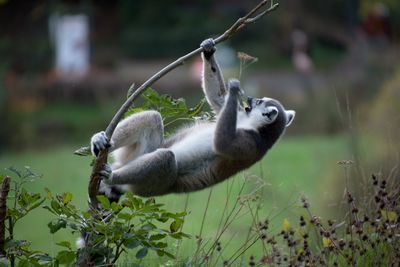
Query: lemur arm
x: 212, y: 81
x: 229, y: 141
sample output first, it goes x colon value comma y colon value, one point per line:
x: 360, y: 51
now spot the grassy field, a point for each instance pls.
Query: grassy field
x: 295, y: 166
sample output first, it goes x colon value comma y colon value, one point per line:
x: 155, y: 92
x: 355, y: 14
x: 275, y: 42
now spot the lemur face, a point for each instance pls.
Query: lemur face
x: 268, y: 110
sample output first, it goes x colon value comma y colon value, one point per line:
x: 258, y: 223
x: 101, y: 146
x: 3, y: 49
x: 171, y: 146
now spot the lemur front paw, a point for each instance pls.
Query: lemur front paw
x: 99, y: 142
x: 106, y: 174
x: 209, y: 47
x: 234, y: 87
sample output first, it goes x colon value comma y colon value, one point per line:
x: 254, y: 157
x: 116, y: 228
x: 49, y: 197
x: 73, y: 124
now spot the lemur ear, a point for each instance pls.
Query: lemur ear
x: 289, y: 116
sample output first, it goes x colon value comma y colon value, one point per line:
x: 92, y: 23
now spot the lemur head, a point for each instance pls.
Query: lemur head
x: 267, y: 114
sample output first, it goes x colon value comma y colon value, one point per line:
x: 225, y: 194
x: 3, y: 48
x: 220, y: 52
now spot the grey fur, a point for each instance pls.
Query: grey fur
x: 200, y: 155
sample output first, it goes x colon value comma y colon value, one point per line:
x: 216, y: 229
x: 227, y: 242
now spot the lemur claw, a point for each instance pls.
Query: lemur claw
x: 99, y: 142
x: 106, y: 173
x: 209, y: 47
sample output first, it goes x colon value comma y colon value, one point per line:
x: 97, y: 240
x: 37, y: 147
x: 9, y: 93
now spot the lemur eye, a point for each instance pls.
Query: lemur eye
x: 258, y: 102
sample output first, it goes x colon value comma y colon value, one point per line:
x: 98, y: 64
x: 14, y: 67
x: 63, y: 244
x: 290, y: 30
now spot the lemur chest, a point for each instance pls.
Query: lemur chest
x: 196, y: 144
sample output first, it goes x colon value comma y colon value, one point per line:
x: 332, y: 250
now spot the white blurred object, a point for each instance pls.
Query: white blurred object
x: 301, y: 61
x: 70, y: 35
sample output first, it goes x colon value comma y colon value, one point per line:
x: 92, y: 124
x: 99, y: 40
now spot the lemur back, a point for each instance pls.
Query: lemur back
x: 199, y: 155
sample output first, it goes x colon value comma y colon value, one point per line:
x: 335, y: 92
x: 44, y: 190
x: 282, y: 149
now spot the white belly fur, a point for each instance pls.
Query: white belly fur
x: 197, y: 144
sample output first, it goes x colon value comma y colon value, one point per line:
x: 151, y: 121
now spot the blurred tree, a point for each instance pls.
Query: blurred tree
x: 383, y: 124
x: 387, y: 10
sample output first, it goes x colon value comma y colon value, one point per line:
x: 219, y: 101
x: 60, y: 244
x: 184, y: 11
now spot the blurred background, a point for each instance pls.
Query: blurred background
x: 65, y: 68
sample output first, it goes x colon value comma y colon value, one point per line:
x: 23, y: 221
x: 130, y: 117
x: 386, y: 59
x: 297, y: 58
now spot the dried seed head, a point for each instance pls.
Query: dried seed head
x: 263, y: 236
x: 350, y: 198
x: 374, y: 180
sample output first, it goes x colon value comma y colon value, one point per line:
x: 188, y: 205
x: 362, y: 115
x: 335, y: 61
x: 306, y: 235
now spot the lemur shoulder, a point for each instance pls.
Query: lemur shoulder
x: 199, y: 155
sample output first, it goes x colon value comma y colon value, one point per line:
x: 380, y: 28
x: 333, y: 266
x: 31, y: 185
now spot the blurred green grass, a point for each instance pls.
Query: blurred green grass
x: 294, y: 166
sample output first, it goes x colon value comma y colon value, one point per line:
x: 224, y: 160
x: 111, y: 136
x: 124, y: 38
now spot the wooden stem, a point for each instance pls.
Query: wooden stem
x: 5, y: 188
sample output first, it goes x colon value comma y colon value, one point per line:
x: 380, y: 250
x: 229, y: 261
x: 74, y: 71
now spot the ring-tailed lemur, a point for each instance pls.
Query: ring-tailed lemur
x: 199, y: 155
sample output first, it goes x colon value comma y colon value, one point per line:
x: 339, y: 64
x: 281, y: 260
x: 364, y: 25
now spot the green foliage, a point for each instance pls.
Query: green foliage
x: 20, y: 203
x: 172, y: 110
x: 135, y: 224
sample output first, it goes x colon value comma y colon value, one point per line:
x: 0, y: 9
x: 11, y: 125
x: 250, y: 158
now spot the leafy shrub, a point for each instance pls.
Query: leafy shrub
x: 135, y: 224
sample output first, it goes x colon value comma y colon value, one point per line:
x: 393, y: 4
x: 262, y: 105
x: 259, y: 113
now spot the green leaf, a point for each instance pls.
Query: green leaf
x: 150, y: 201
x: 48, y: 193
x: 66, y: 197
x: 26, y: 199
x: 116, y: 207
x: 160, y: 245
x: 149, y: 227
x: 42, y: 258
x: 169, y: 254
x: 105, y: 202
x: 35, y: 205
x: 176, y: 225
x: 66, y: 256
x: 87, y: 215
x: 65, y: 244
x: 13, y: 244
x: 124, y: 216
x: 54, y: 226
x: 160, y: 252
x: 132, y: 243
x: 141, y: 253
x: 176, y: 236
x: 23, y: 263
x: 162, y: 219
x: 15, y: 214
x: 55, y: 206
x: 157, y: 237
x: 83, y: 151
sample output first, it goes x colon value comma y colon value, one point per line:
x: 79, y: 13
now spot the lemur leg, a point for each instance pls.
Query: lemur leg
x: 136, y: 135
x: 155, y: 168
x: 212, y: 81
